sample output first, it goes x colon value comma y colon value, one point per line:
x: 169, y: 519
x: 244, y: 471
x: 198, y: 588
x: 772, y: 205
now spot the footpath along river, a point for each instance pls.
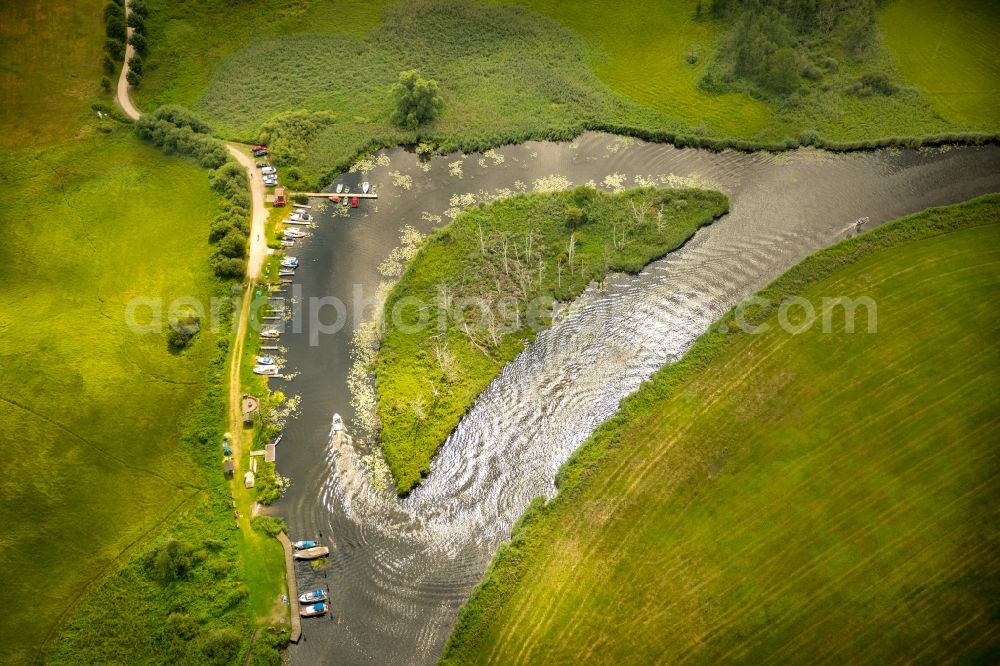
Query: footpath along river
x: 400, y: 569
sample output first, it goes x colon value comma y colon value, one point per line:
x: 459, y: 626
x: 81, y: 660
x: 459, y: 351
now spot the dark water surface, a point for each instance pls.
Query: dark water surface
x: 399, y: 570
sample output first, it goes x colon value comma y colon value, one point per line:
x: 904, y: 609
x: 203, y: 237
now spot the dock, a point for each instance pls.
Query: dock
x: 342, y: 195
x: 293, y: 588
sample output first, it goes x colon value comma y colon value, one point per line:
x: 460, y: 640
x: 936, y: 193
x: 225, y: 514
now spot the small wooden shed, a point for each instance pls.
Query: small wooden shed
x: 228, y: 468
x: 248, y: 479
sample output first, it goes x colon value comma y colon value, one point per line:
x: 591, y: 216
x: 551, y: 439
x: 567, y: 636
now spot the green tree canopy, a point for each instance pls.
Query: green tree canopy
x: 418, y: 100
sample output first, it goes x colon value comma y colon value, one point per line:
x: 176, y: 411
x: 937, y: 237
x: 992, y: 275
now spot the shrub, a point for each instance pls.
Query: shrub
x: 221, y: 645
x: 269, y: 525
x: 229, y: 267
x: 114, y: 28
x: 875, y: 83
x: 106, y: 85
x: 182, y: 330
x: 108, y: 65
x: 287, y: 134
x: 137, y: 22
x: 135, y: 64
x: 115, y: 48
x: 182, y: 626
x: 300, y: 198
x: 138, y: 42
x: 233, y: 244
x: 172, y: 560
x: 133, y: 78
x: 139, y: 8
x: 417, y: 101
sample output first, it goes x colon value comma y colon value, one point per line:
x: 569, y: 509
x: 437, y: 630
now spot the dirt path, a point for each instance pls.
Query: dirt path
x: 124, y: 101
x: 258, y: 239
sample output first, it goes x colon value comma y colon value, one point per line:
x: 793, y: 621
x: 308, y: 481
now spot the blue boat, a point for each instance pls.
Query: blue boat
x: 313, y: 611
x: 301, y: 545
x: 312, y: 597
x: 290, y: 262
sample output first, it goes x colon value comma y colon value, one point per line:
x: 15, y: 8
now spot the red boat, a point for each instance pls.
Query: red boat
x: 354, y: 202
x: 335, y: 199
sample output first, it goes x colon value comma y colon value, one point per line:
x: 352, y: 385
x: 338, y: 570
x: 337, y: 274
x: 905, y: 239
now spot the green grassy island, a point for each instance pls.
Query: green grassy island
x: 775, y: 496
x: 481, y: 287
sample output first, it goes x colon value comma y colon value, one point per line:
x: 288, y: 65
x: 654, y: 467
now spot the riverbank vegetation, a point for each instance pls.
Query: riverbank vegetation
x: 481, y: 287
x: 546, y: 70
x: 776, y: 496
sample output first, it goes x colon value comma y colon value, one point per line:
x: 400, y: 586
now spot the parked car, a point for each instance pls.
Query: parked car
x: 261, y: 165
x: 268, y: 169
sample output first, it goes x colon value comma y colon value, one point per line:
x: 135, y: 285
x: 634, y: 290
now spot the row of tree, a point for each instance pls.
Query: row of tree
x: 116, y: 37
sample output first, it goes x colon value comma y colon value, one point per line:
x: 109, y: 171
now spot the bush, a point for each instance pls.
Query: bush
x: 181, y: 331
x: 108, y: 65
x: 300, y: 198
x: 139, y: 8
x: 875, y: 83
x: 138, y: 42
x: 114, y: 28
x: 115, y: 49
x: 133, y: 78
x: 137, y: 22
x: 269, y: 525
x: 417, y: 101
x: 172, y: 560
x: 135, y: 64
x: 182, y: 626
x: 233, y: 244
x: 229, y: 267
x: 221, y: 645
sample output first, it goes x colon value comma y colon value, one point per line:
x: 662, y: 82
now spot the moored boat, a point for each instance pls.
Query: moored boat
x: 313, y: 610
x: 265, y: 360
x: 312, y: 597
x: 290, y: 262
x: 354, y: 202
x: 302, y: 545
x: 312, y: 553
x: 365, y: 186
x: 286, y: 272
x: 266, y: 370
x: 270, y: 333
x: 294, y: 233
x: 340, y: 188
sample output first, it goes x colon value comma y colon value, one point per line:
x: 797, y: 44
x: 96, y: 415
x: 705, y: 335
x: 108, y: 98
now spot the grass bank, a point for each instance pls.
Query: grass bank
x: 776, y: 496
x: 481, y: 287
x: 507, y: 73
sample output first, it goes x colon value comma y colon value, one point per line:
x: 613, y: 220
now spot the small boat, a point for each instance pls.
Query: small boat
x: 365, y: 186
x: 347, y: 190
x: 302, y: 545
x: 290, y: 262
x: 312, y: 597
x: 302, y: 223
x: 266, y: 370
x: 287, y: 243
x: 354, y: 202
x: 264, y: 360
x: 337, y: 425
x: 335, y: 199
x: 312, y: 553
x: 313, y: 611
x: 270, y: 333
x: 301, y: 217
x: 286, y: 272
x: 295, y: 233
x: 340, y: 188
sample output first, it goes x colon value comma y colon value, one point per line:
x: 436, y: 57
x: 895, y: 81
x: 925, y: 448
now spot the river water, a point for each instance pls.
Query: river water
x: 400, y: 569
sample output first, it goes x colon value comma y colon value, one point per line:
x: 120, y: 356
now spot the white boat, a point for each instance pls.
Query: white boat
x: 264, y: 360
x: 287, y: 243
x: 296, y: 221
x: 311, y: 553
x: 312, y: 596
x: 301, y: 217
x: 340, y: 188
x: 314, y: 610
x: 290, y: 262
x: 337, y: 425
x: 302, y: 545
x: 295, y: 233
x: 365, y: 187
x: 286, y: 272
x: 270, y: 333
x: 266, y: 370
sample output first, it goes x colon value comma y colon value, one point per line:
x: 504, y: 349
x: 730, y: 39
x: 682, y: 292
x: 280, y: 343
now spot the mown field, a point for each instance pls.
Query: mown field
x: 106, y: 450
x: 544, y: 70
x: 481, y: 287
x: 947, y: 50
x: 783, y: 498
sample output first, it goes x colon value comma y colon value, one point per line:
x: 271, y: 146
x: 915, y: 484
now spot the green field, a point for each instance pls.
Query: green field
x: 488, y: 280
x: 948, y: 50
x: 778, y: 497
x: 107, y: 428
x: 545, y: 70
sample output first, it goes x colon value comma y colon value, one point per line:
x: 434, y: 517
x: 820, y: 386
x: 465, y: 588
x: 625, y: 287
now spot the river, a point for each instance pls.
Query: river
x: 400, y: 569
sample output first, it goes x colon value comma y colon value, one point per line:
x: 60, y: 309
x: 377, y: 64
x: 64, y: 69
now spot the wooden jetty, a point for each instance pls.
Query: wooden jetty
x: 342, y: 195
x: 293, y: 588
x: 269, y: 348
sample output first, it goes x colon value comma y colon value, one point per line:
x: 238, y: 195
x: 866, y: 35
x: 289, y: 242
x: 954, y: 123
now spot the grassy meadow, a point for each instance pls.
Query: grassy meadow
x: 113, y: 443
x: 947, y: 50
x: 512, y: 258
x: 776, y: 497
x: 508, y: 72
